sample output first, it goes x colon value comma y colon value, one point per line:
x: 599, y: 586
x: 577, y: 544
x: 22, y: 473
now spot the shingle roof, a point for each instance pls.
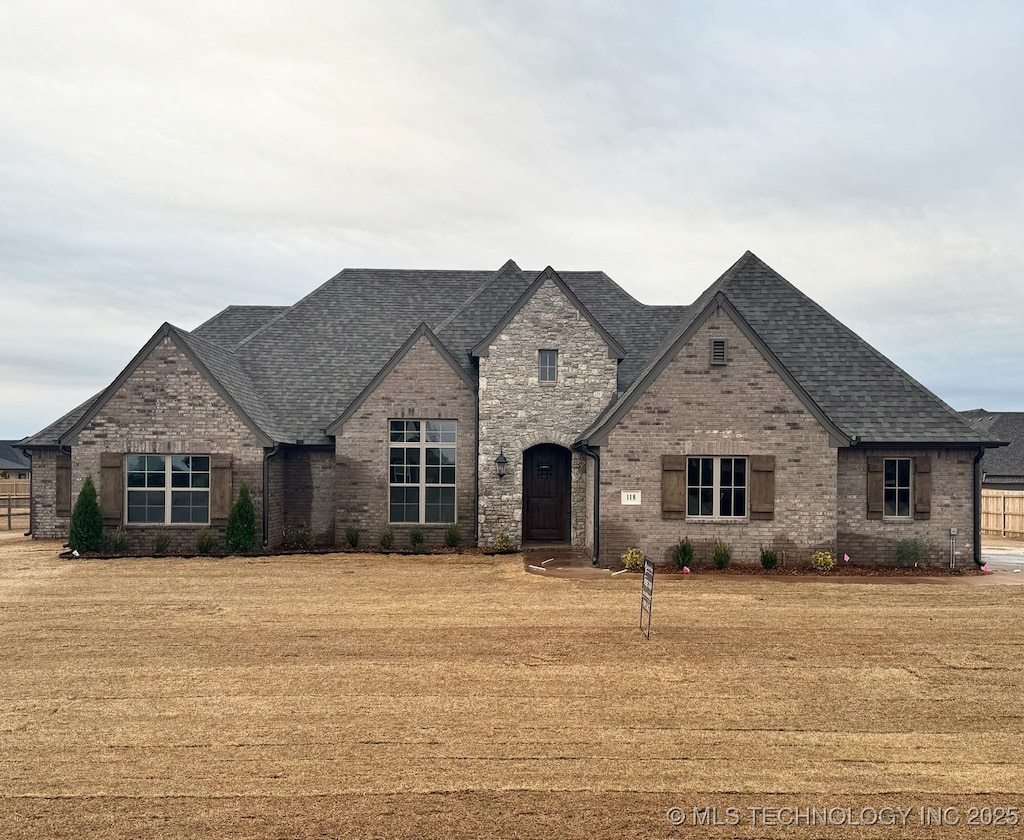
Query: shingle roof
x: 294, y: 370
x: 1007, y: 462
x: 50, y: 436
x: 846, y: 381
x: 12, y: 458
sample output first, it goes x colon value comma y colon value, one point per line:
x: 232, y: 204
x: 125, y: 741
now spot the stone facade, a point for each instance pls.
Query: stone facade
x: 166, y: 405
x: 875, y: 540
x: 518, y: 412
x: 421, y: 386
x: 742, y: 408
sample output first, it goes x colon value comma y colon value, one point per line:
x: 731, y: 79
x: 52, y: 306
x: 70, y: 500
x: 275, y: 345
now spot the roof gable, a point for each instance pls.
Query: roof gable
x: 422, y: 331
x: 482, y: 348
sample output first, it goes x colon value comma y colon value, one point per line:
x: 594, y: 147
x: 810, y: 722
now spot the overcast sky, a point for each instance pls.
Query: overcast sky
x: 161, y: 160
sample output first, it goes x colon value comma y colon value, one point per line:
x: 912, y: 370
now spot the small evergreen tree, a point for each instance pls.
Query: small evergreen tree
x: 240, y: 534
x: 86, y: 532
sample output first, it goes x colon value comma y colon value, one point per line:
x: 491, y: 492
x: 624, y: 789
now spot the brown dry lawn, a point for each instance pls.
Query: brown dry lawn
x: 360, y: 696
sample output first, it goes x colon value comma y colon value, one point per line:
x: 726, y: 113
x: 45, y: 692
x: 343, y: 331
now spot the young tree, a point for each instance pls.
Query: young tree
x: 86, y: 522
x: 240, y: 535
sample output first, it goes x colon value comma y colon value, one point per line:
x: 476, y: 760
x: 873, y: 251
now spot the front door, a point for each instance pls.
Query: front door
x: 546, y: 481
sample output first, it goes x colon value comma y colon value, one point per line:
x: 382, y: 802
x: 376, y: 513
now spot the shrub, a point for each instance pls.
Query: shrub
x: 352, y: 536
x: 206, y: 541
x: 416, y: 539
x: 769, y: 558
x: 240, y: 534
x: 298, y: 537
x: 452, y: 537
x: 682, y: 553
x: 162, y: 543
x: 86, y: 532
x: 912, y: 551
x: 823, y: 561
x: 387, y: 538
x: 119, y: 540
x: 634, y: 559
x: 502, y: 542
x: 722, y: 555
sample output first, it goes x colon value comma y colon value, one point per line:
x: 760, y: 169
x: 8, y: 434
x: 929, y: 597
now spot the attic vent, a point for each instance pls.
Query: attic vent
x: 718, y: 354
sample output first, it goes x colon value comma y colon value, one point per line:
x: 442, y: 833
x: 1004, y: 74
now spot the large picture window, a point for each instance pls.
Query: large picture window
x: 421, y: 471
x: 168, y: 489
x: 716, y: 487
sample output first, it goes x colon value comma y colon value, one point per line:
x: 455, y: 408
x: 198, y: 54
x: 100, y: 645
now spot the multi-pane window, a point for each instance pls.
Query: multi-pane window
x: 421, y: 471
x: 168, y: 489
x: 547, y: 364
x: 896, y: 486
x: 716, y: 487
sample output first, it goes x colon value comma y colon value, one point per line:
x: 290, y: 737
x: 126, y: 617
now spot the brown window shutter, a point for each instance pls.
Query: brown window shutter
x: 673, y: 486
x: 63, y: 488
x: 922, y: 487
x: 762, y: 487
x: 876, y: 487
x: 111, y: 487
x: 220, y: 486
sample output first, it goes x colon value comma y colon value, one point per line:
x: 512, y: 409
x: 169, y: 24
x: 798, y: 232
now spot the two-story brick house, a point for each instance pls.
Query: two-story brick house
x: 546, y: 406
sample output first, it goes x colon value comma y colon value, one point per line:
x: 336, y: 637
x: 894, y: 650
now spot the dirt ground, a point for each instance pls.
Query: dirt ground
x: 361, y: 696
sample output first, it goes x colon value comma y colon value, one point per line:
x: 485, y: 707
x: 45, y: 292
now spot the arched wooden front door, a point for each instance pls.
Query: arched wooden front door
x: 547, y: 479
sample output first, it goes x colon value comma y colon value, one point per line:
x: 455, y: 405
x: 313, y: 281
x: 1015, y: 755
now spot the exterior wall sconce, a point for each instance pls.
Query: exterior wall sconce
x: 501, y: 462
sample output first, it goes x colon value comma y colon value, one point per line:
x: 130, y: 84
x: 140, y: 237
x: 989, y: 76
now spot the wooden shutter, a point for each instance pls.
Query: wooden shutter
x: 220, y: 486
x: 922, y: 487
x: 111, y: 487
x: 762, y: 487
x: 63, y: 485
x: 673, y: 486
x: 876, y: 487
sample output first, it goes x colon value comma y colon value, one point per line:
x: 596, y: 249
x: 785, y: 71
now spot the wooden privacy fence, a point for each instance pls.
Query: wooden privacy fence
x: 1002, y: 513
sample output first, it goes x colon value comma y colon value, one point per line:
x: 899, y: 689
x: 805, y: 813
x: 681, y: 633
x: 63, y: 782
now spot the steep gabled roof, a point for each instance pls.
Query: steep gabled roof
x: 615, y: 350
x: 236, y: 323
x: 851, y: 387
x: 228, y: 381
x: 49, y: 437
x: 422, y: 331
x: 1007, y: 462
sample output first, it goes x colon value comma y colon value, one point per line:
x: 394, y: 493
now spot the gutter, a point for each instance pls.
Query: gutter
x: 266, y: 492
x: 584, y: 447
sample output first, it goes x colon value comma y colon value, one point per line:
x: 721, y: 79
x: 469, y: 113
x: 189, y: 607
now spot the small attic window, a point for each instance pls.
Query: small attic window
x: 718, y: 352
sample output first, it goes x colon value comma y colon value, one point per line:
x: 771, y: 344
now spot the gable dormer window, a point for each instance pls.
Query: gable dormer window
x: 547, y: 366
x: 719, y: 356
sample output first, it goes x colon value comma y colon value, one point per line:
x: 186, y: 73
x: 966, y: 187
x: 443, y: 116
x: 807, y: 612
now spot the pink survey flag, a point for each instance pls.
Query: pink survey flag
x: 686, y: 570
x: 846, y: 558
x: 985, y: 568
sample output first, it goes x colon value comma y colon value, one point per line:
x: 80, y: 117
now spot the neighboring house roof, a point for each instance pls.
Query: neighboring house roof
x: 841, y: 378
x: 12, y: 458
x: 1005, y: 465
x: 293, y: 372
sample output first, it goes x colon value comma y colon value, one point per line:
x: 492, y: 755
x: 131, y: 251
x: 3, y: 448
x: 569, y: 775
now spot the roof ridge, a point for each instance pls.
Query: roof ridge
x: 288, y: 309
x: 508, y: 267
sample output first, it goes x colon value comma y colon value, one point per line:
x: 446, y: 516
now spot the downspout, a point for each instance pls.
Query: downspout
x: 476, y: 465
x: 592, y: 453
x: 977, y: 507
x: 266, y: 492
x: 31, y: 493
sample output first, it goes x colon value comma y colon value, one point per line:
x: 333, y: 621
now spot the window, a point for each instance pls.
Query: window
x: 421, y: 471
x: 547, y: 364
x: 168, y: 489
x: 716, y: 487
x: 896, y: 484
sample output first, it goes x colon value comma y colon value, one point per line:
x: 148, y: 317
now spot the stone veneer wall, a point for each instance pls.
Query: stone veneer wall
x: 517, y: 411
x: 952, y: 506
x: 422, y: 386
x: 167, y: 406
x: 742, y: 408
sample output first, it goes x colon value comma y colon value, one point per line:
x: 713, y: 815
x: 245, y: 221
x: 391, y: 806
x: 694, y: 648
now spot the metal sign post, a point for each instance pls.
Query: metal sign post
x: 647, y: 595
